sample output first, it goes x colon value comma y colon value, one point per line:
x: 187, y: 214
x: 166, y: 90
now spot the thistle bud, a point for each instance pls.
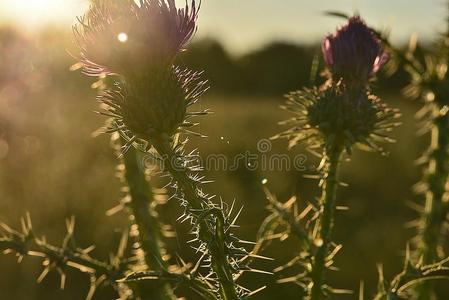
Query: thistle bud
x: 157, y: 107
x: 330, y: 117
x: 354, y: 53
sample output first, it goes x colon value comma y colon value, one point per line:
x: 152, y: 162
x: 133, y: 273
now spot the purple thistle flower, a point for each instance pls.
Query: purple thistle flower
x: 139, y: 42
x: 122, y: 37
x: 354, y: 52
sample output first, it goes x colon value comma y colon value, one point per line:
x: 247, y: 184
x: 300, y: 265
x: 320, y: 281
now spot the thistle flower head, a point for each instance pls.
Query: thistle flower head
x: 122, y: 37
x: 139, y: 42
x: 354, y: 52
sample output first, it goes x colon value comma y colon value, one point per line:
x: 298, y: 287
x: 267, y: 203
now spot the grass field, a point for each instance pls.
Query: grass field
x: 53, y: 168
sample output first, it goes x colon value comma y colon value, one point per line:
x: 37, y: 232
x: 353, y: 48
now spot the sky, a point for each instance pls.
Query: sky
x: 243, y: 25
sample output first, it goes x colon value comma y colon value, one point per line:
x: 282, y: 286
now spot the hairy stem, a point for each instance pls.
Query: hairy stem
x: 435, y: 209
x: 326, y: 221
x: 213, y: 236
x: 145, y: 218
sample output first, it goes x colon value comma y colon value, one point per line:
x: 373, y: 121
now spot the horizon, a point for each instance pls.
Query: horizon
x: 247, y: 28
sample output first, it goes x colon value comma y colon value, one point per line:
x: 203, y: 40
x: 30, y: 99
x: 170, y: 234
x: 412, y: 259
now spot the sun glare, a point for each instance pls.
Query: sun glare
x: 122, y: 37
x: 41, y: 12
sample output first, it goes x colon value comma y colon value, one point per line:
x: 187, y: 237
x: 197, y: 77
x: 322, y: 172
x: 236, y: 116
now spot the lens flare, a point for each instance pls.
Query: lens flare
x: 122, y: 37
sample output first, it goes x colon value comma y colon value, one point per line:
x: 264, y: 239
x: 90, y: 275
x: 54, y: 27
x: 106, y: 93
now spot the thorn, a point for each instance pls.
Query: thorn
x: 362, y: 290
x: 342, y: 208
x: 305, y: 212
x: 237, y: 216
x: 290, y: 202
x: 43, y: 274
x: 261, y: 257
x: 256, y: 291
x: 63, y: 279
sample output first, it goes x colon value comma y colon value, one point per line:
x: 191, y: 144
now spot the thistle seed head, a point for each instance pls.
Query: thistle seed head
x: 354, y: 52
x: 122, y: 37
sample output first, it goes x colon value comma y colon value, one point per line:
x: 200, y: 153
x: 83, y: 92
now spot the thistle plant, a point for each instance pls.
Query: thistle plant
x: 429, y: 81
x: 334, y: 118
x: 433, y: 215
x: 134, y: 45
x: 149, y: 105
x: 413, y: 275
x: 25, y: 242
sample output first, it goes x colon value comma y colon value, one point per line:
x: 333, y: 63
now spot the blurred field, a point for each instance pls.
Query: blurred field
x: 51, y: 167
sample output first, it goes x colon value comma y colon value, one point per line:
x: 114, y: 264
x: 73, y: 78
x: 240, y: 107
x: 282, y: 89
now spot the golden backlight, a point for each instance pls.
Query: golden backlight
x: 39, y: 13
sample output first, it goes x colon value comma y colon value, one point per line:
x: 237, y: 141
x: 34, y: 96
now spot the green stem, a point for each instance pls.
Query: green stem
x: 58, y: 254
x: 215, y: 240
x: 435, y: 210
x: 326, y: 220
x: 184, y: 280
x: 145, y: 217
